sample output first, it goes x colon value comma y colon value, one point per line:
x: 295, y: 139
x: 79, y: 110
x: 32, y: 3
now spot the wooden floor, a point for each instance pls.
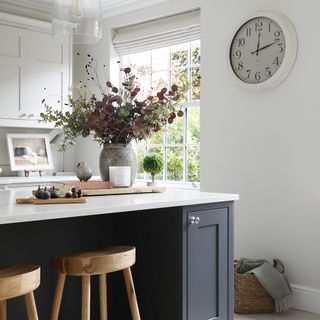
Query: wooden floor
x: 289, y: 315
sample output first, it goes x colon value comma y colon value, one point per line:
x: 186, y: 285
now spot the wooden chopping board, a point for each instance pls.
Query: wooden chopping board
x: 36, y: 201
x: 115, y: 191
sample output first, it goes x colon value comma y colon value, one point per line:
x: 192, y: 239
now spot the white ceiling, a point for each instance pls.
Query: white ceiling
x: 41, y: 9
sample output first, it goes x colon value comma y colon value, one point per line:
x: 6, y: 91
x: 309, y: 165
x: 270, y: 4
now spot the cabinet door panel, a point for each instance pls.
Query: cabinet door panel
x: 10, y: 40
x: 38, y: 84
x: 30, y: 62
x: 48, y: 51
x: 9, y: 91
x: 207, y: 265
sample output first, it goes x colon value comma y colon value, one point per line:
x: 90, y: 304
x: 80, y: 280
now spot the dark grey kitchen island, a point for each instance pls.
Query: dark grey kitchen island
x: 184, y: 241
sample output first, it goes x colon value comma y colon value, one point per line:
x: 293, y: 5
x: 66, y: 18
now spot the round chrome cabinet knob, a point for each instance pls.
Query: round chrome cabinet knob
x: 194, y: 220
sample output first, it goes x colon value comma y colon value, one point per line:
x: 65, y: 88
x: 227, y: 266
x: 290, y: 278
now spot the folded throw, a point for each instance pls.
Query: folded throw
x: 273, y: 281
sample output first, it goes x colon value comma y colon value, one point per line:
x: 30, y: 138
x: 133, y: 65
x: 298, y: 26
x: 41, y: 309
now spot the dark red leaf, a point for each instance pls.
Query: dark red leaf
x: 174, y: 87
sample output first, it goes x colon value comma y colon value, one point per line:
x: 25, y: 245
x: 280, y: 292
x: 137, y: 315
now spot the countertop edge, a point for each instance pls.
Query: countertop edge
x: 89, y: 209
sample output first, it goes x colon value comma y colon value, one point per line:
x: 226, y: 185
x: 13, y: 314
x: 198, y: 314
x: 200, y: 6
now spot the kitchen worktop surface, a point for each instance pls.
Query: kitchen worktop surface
x: 10, y: 212
x: 37, y: 179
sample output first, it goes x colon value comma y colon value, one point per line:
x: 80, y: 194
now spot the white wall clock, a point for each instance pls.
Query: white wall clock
x: 263, y: 50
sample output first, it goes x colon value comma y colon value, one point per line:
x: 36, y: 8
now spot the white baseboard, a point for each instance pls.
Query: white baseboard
x: 306, y: 298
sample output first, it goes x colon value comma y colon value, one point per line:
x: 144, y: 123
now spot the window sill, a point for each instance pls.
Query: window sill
x: 172, y: 184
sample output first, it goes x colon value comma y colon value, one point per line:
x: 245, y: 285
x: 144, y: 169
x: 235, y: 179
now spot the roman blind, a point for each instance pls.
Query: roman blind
x: 157, y: 33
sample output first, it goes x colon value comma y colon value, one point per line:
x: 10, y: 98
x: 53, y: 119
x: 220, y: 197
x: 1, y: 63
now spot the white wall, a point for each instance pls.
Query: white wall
x: 87, y: 149
x: 265, y: 146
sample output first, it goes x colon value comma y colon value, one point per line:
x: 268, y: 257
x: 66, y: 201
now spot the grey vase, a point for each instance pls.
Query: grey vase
x: 115, y: 154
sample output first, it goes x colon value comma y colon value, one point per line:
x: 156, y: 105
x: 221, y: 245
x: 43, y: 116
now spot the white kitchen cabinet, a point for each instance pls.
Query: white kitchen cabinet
x: 9, y: 90
x: 11, y: 60
x: 46, y: 76
x: 33, y: 67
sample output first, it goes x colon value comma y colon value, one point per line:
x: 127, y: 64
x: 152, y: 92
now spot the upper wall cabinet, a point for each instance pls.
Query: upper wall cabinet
x: 33, y: 67
x: 11, y: 60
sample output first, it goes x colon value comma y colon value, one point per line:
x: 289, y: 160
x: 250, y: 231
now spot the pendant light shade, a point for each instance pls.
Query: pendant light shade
x: 79, y: 19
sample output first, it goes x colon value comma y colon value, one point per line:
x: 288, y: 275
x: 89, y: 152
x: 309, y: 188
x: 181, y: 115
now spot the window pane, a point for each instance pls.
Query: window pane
x: 193, y: 164
x: 180, y: 55
x: 156, y: 138
x: 175, y: 131
x: 161, y: 59
x: 142, y: 73
x: 178, y: 142
x: 180, y: 77
x: 158, y: 150
x: 195, y: 84
x: 140, y: 65
x: 140, y: 155
x: 160, y: 80
x: 137, y: 59
x: 195, y: 52
x: 175, y: 163
x: 193, y: 134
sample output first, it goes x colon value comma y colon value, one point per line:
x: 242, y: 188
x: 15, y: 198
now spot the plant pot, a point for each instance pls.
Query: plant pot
x: 151, y: 184
x: 116, y: 154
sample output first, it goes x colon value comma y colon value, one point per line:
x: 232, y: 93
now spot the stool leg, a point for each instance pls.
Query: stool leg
x: 3, y: 310
x: 131, y: 294
x: 57, y: 296
x: 31, y: 306
x: 85, y: 311
x: 103, y: 296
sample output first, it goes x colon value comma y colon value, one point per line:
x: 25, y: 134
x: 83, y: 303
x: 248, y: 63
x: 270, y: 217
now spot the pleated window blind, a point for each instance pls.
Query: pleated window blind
x: 157, y: 33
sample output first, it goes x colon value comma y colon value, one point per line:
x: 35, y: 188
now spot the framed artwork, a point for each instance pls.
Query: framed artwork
x: 29, y: 152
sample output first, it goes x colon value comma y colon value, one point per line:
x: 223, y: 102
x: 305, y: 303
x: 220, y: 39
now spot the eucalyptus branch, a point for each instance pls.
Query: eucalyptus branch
x: 119, y: 117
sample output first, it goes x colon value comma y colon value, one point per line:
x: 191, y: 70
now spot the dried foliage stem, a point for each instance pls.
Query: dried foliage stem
x: 119, y: 117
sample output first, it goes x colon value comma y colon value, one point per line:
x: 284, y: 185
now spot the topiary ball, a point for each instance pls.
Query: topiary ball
x: 153, y: 163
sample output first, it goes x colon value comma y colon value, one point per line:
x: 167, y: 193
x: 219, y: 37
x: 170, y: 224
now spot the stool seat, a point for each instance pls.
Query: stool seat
x: 92, y: 263
x: 107, y: 260
x: 17, y: 281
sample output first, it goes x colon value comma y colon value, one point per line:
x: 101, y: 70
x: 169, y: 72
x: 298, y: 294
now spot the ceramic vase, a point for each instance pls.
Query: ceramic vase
x: 83, y: 171
x: 115, y: 154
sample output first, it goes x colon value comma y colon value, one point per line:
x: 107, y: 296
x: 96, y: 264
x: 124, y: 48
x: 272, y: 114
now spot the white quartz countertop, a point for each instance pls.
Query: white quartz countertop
x: 10, y: 212
x: 38, y: 179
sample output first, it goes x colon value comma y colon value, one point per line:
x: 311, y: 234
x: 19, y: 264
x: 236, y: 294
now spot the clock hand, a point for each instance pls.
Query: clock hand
x: 264, y: 47
x: 258, y: 44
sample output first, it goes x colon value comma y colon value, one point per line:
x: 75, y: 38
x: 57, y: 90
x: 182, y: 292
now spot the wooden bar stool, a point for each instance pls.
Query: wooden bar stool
x: 19, y: 281
x: 99, y: 263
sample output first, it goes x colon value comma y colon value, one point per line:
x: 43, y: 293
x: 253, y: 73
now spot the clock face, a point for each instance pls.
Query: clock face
x: 257, y: 50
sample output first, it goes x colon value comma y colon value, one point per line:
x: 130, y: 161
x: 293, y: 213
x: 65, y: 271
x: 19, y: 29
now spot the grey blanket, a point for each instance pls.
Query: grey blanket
x: 273, y: 281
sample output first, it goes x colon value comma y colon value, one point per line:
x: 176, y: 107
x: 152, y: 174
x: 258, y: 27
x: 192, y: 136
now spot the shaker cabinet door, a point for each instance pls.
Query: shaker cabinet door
x: 9, y: 91
x: 11, y: 59
x: 33, y: 67
x: 38, y: 84
x: 46, y: 76
x: 207, y: 264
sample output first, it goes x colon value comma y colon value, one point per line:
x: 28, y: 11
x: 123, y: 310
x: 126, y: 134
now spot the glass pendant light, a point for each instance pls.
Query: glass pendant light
x: 79, y: 19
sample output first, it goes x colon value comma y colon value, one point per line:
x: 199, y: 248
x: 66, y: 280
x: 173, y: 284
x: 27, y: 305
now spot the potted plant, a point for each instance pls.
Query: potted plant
x: 153, y: 164
x: 116, y: 118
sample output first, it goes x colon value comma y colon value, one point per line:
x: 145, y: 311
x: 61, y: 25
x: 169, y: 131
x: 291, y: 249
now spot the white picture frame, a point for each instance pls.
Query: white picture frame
x: 29, y: 152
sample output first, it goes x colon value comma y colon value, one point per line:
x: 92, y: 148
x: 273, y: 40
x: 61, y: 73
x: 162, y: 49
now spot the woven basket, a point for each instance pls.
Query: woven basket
x: 249, y: 295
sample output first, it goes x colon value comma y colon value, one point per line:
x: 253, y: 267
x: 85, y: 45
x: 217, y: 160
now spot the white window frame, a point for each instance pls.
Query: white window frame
x: 184, y: 106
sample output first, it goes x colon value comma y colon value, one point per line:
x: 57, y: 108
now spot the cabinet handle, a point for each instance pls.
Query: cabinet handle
x: 194, y: 220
